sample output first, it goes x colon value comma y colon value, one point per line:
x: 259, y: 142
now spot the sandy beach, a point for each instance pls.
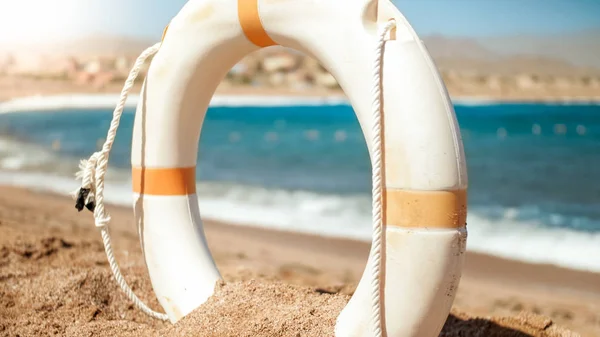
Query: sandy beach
x: 55, y: 280
x: 13, y: 87
x: 284, y: 186
x: 22, y: 87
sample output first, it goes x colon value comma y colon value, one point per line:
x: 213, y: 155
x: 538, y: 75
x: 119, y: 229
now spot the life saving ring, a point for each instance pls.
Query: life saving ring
x: 425, y: 179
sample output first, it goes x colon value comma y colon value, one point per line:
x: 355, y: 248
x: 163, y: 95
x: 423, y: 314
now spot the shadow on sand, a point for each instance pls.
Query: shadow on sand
x: 477, y: 327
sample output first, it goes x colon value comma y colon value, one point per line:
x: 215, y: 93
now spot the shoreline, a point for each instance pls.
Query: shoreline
x: 585, y: 282
x: 491, y: 289
x: 118, y: 195
x: 263, y: 97
x: 477, y: 265
x: 559, y: 258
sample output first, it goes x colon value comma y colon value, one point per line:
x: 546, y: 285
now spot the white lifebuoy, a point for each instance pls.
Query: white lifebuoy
x: 425, y: 171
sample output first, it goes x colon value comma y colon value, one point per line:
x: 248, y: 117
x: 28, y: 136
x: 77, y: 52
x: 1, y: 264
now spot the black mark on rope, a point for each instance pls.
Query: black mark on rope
x: 80, y: 202
x: 81, y: 196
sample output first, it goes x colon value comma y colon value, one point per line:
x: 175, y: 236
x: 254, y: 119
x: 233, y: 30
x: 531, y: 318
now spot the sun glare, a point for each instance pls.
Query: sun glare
x: 27, y: 21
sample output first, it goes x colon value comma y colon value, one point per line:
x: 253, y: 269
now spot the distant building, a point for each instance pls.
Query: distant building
x: 92, y: 67
x: 122, y: 65
x: 7, y: 62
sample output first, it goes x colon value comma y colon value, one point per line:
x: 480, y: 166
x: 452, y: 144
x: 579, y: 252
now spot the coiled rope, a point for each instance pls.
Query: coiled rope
x: 92, y: 172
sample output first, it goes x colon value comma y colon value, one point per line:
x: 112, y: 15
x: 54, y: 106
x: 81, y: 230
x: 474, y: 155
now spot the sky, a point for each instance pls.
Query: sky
x: 28, y: 20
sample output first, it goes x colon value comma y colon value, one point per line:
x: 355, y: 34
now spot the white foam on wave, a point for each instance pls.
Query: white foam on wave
x: 108, y: 101
x: 530, y: 242
x: 16, y: 155
x: 487, y: 101
x: 57, y: 102
x: 349, y: 217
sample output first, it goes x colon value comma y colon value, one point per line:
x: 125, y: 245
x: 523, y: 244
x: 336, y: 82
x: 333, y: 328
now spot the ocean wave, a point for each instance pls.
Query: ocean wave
x: 349, y: 217
x: 20, y: 156
x: 526, y: 234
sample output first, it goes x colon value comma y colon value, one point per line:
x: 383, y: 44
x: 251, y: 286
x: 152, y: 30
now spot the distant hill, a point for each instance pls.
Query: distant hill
x: 105, y: 45
x: 457, y: 48
x: 95, y: 45
x: 581, y: 48
x: 568, y: 54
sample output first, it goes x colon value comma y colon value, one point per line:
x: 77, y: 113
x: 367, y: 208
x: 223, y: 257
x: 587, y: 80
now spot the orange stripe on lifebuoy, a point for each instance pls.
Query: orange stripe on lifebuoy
x: 251, y: 24
x: 435, y: 209
x: 164, y: 181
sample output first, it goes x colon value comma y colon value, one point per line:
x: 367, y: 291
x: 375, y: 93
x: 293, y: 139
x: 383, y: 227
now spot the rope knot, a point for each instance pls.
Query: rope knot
x: 85, y: 196
x: 102, y: 221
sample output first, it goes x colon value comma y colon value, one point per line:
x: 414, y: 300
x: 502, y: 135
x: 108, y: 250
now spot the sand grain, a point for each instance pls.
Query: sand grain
x: 254, y: 308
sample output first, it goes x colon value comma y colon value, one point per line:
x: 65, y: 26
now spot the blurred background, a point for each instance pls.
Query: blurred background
x: 524, y: 77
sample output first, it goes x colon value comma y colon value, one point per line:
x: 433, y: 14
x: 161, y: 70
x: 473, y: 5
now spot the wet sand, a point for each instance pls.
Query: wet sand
x: 55, y: 280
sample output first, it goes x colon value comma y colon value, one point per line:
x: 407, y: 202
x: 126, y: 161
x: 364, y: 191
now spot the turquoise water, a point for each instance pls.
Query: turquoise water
x: 533, y: 170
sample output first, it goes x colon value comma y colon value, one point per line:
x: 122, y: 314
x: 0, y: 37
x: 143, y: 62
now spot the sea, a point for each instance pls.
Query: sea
x: 302, y: 165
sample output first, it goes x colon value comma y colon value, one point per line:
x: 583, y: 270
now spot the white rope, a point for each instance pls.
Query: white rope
x: 91, y: 193
x: 377, y: 167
